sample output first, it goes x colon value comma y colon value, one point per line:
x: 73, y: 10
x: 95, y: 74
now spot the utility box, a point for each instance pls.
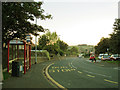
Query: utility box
x: 17, y: 68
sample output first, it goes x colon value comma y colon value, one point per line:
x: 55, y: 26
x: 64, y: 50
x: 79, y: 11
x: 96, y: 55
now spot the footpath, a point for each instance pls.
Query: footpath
x: 34, y: 78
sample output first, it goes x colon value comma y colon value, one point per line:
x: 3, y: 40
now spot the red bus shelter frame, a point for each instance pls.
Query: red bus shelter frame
x: 24, y: 43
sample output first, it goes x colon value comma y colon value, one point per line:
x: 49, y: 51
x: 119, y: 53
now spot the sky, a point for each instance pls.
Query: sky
x: 80, y: 21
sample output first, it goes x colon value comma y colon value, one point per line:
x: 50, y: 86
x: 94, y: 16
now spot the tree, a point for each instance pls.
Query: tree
x: 52, y: 49
x: 73, y: 51
x: 102, y: 46
x: 113, y: 43
x: 53, y: 37
x: 115, y: 37
x: 48, y: 39
x: 16, y: 18
x: 43, y: 41
x: 52, y: 43
x: 63, y: 46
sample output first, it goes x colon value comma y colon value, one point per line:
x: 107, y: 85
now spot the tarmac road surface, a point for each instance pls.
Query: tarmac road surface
x: 82, y: 73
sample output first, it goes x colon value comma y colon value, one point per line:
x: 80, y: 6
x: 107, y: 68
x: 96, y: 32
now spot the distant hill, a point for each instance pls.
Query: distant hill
x: 82, y: 45
x: 84, y: 48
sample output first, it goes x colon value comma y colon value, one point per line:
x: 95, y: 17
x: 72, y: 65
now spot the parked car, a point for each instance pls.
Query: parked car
x: 105, y: 57
x: 100, y: 56
x: 115, y: 57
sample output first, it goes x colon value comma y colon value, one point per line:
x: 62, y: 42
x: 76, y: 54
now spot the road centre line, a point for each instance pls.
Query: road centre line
x: 118, y: 68
x: 92, y: 72
x: 1, y: 83
x: 79, y: 72
x: 90, y: 76
x: 69, y: 65
x: 97, y: 74
x: 72, y: 65
x: 111, y: 81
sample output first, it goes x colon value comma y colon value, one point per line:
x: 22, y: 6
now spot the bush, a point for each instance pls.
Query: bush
x: 42, y: 53
x: 46, y: 53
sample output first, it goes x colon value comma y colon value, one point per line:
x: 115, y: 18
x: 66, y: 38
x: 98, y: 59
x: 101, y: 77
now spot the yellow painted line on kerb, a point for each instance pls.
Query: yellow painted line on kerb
x: 110, y: 81
x: 46, y: 71
x: 90, y: 76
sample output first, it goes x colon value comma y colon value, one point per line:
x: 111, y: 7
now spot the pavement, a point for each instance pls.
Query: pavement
x: 34, y: 78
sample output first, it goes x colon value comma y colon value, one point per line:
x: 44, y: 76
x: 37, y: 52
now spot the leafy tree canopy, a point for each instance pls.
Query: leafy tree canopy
x: 63, y: 46
x: 113, y: 43
x: 16, y: 16
x: 52, y: 43
x: 115, y: 37
x: 102, y: 45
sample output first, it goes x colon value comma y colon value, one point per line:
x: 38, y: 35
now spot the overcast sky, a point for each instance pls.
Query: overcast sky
x: 80, y: 21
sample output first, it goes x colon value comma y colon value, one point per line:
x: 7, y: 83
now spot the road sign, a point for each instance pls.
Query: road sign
x: 28, y: 38
x: 16, y: 42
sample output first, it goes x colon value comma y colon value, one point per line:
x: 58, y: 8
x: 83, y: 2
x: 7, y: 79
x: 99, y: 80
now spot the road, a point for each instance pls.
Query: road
x: 82, y: 73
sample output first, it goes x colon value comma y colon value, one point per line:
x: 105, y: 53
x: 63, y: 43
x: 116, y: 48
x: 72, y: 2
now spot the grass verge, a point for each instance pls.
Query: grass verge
x: 114, y: 62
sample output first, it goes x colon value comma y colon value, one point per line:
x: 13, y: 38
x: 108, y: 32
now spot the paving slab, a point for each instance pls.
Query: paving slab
x: 34, y: 78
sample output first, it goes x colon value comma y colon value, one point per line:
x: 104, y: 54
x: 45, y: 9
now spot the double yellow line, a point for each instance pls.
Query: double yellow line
x: 50, y: 78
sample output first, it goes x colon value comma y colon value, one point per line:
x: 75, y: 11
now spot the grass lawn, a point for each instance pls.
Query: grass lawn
x: 114, y: 62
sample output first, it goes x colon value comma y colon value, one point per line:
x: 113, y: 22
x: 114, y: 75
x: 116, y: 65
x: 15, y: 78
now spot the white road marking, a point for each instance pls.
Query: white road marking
x: 72, y: 65
x: 118, y: 68
x: 79, y: 72
x: 97, y: 74
x: 68, y: 83
x: 102, y: 65
x: 90, y: 76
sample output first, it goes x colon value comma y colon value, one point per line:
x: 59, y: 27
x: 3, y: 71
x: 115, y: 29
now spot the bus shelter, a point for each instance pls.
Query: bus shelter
x: 17, y: 48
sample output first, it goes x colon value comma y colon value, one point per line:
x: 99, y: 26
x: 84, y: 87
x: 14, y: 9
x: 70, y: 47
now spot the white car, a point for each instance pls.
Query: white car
x: 100, y: 56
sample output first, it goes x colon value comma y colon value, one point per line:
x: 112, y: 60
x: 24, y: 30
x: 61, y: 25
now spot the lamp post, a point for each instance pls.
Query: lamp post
x: 36, y: 45
x: 108, y: 51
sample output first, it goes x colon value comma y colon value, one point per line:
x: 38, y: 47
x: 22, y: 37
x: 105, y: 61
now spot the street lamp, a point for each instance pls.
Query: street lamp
x: 36, y: 45
x: 108, y: 51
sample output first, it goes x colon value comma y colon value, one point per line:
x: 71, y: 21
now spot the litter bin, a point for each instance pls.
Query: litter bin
x: 17, y: 68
